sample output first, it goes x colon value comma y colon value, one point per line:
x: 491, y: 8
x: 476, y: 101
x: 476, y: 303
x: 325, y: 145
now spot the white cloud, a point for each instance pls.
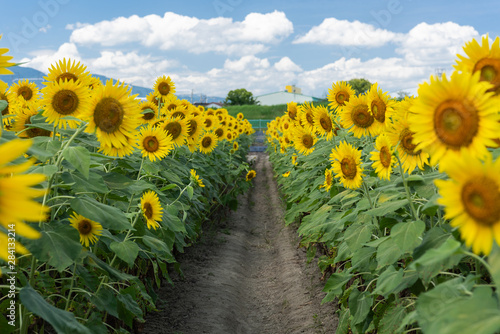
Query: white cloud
x: 42, y: 60
x: 435, y: 43
x: 174, y: 31
x: 346, y: 33
x: 285, y: 64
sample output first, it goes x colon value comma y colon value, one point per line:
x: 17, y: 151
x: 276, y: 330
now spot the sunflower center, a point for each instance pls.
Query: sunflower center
x: 378, y: 110
x: 285, y: 126
x: 179, y: 114
x: 341, y: 98
x: 25, y: 92
x: 481, y: 200
x: 148, y: 210
x: 67, y: 76
x: 406, y: 140
x: 292, y: 113
x: 65, y: 102
x: 171, y: 106
x: 108, y: 114
x: 193, y: 125
x: 348, y: 166
x: 307, y: 140
x: 174, y: 129
x: 149, y: 115
x: 326, y: 123
x: 208, y: 122
x: 164, y: 88
x: 309, y: 118
x: 219, y: 132
x: 361, y: 117
x: 456, y: 123
x: 206, y: 142
x: 151, y: 144
x: 490, y: 70
x: 84, y: 227
x: 385, y: 156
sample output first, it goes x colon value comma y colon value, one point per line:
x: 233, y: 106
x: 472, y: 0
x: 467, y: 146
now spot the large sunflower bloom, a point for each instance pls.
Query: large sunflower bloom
x: 471, y: 198
x: 209, y: 122
x: 155, y: 143
x: 4, y: 61
x: 356, y: 117
x: 323, y: 122
x: 71, y: 71
x: 113, y: 116
x: 383, y: 158
x: 303, y: 141
x: 178, y: 128
x: 452, y: 115
x: 346, y: 163
x: 163, y: 87
x: 208, y: 142
x: 381, y: 106
x: 25, y: 90
x: 88, y: 229
x: 151, y: 209
x: 339, y: 94
x: 65, y: 98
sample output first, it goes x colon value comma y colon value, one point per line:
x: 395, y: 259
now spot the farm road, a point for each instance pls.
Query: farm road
x: 246, y: 275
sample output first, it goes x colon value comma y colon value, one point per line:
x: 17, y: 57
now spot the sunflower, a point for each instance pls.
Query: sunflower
x: 4, y: 61
x: 323, y: 122
x: 303, y: 141
x: 17, y: 196
x: 65, y: 98
x: 230, y: 135
x: 401, y: 137
x: 356, y: 117
x: 287, y: 174
x: 71, y: 71
x: 209, y: 122
x: 483, y: 59
x: 383, y: 158
x: 113, y: 116
x: 5, y: 95
x: 240, y: 116
x: 208, y: 142
x: 220, y: 132
x: 236, y: 146
x: 193, y: 143
x: 178, y: 128
x: 195, y: 124
x: 250, y: 175
x: 328, y: 179
x: 196, y: 178
x: 180, y: 112
x: 346, y: 163
x: 380, y: 105
x: 88, y: 229
x: 130, y: 143
x: 148, y: 112
x: 291, y: 109
x: 154, y: 143
x: 151, y: 209
x: 25, y: 90
x: 163, y: 87
x: 294, y: 159
x: 306, y: 116
x: 171, y: 103
x: 471, y: 198
x: 339, y: 94
x: 451, y: 115
x: 22, y: 122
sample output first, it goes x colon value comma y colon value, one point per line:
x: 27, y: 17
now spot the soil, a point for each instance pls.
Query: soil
x: 246, y: 275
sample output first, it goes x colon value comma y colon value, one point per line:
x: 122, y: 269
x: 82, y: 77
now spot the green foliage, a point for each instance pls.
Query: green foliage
x: 240, y: 96
x: 360, y: 85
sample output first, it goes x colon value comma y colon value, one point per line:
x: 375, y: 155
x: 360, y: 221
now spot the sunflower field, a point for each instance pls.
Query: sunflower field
x: 99, y: 193
x: 401, y: 198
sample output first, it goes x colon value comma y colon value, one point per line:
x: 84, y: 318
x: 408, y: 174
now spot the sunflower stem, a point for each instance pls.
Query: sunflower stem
x: 71, y: 288
x: 407, y: 190
x: 140, y: 169
x: 479, y: 260
x: 367, y: 192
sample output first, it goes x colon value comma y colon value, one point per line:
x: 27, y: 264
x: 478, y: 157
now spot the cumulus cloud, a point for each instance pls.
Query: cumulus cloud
x: 42, y: 60
x: 285, y: 64
x: 346, y: 33
x: 435, y: 43
x: 179, y: 32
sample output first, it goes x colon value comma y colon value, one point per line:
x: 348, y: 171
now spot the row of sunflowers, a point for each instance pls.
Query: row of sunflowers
x: 99, y: 191
x: 404, y: 201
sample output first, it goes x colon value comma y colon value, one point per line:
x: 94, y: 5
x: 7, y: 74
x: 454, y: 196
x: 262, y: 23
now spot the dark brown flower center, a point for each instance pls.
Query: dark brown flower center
x: 149, y: 115
x: 406, y: 141
x: 164, y: 88
x: 348, y: 167
x: 456, y: 123
x: 206, y: 142
x: 179, y: 114
x: 208, y: 122
x: 219, y: 132
x: 174, y: 129
x: 481, y: 200
x: 378, y: 110
x: 65, y: 102
x: 25, y: 92
x: 148, y: 210
x: 490, y: 71
x: 193, y: 126
x: 385, y: 156
x: 292, y: 112
x: 84, y: 227
x: 309, y: 118
x: 342, y: 97
x: 108, y: 114
x: 326, y: 123
x: 307, y: 140
x: 151, y: 144
x: 361, y: 117
x: 66, y: 76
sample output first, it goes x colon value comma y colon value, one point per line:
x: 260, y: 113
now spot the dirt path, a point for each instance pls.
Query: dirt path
x: 246, y: 276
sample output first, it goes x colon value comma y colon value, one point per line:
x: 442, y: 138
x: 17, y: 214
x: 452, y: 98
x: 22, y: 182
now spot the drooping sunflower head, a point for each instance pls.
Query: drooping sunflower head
x: 70, y: 71
x: 208, y: 142
x: 250, y: 175
x: 383, y: 158
x: 323, y: 122
x: 380, y: 105
x: 65, y: 98
x: 178, y: 129
x: 484, y: 59
x: 356, y: 117
x: 455, y: 114
x: 25, y: 90
x: 163, y: 87
x: 346, y: 163
x: 196, y: 179
x: 88, y: 229
x: 155, y: 143
x: 148, y: 112
x: 328, y: 179
x: 151, y: 209
x: 339, y: 94
x: 471, y: 198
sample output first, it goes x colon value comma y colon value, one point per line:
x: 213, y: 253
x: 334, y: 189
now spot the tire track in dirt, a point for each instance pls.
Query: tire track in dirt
x: 246, y: 276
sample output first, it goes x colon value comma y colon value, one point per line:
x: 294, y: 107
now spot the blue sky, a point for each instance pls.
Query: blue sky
x: 210, y: 47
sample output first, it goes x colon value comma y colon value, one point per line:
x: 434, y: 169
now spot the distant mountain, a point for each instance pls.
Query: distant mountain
x: 36, y: 76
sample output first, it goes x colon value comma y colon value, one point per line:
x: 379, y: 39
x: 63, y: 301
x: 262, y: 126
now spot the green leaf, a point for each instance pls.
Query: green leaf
x: 387, y: 207
x: 93, y: 182
x: 168, y: 187
x: 190, y: 192
x: 125, y: 250
x: 60, y: 248
x: 362, y: 259
x: 334, y: 285
x: 105, y: 300
x: 3, y: 104
x: 79, y: 157
x: 392, y: 318
x: 388, y: 252
x: 108, y: 216
x: 357, y: 234
x: 343, y: 326
x: 128, y: 309
x: 62, y: 321
x: 407, y: 234
x: 171, y: 221
x: 432, y: 239
x: 360, y: 304
x: 389, y: 280
x: 44, y: 147
x: 93, y: 260
x: 494, y: 262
